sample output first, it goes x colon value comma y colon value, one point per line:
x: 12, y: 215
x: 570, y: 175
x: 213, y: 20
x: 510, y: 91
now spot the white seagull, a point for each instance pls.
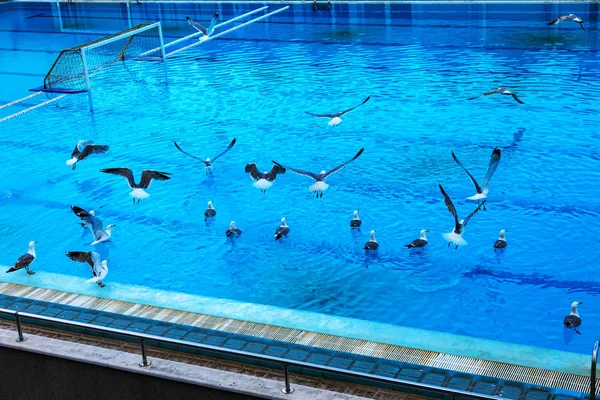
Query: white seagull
x: 501, y: 91
x: 264, y: 180
x: 25, y: 260
x: 138, y: 191
x: 455, y: 237
x: 205, y: 32
x: 283, y: 230
x: 355, y: 222
x: 320, y: 186
x: 484, y: 189
x: 501, y: 242
x: 210, y: 211
x: 573, y: 320
x: 335, y: 118
x: 208, y: 162
x: 372, y: 243
x: 99, y: 269
x: 84, y: 148
x: 94, y: 224
x: 233, y: 231
x: 570, y: 17
x: 420, y: 242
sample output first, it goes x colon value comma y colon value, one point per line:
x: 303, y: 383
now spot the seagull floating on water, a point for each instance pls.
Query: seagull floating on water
x: 501, y: 242
x: 25, y: 260
x: 420, y: 242
x: 138, y: 191
x: 573, y: 320
x: 84, y: 148
x: 283, y: 230
x: 210, y: 211
x: 233, y: 231
x: 355, y: 222
x: 455, y: 237
x: 99, y: 269
x: 372, y: 243
x: 501, y: 91
x: 320, y: 186
x: 264, y: 180
x: 94, y: 224
x: 570, y: 17
x: 335, y: 118
x: 482, y: 190
x: 205, y: 32
x: 208, y: 162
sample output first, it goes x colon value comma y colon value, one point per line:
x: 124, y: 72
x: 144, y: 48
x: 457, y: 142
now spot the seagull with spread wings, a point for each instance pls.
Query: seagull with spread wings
x: 99, y: 269
x: 455, y: 237
x: 484, y: 189
x: 570, y: 17
x: 335, y: 118
x: 263, y: 180
x: 205, y: 32
x: 501, y: 91
x: 138, y: 191
x: 84, y: 148
x: 320, y: 186
x: 208, y: 162
x: 94, y: 224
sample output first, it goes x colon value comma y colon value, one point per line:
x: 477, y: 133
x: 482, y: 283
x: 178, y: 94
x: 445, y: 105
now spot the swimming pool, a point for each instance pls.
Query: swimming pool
x: 418, y: 62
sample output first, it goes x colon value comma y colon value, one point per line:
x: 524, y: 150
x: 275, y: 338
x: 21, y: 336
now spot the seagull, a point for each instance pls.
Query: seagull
x: 570, y: 17
x: 210, y: 211
x: 573, y: 320
x: 355, y: 222
x: 94, y: 224
x: 372, y: 243
x: 320, y: 186
x: 138, y: 191
x: 482, y: 190
x: 84, y: 148
x: 283, y: 230
x: 501, y: 91
x: 264, y: 180
x: 335, y: 118
x: 420, y: 242
x: 25, y: 260
x: 501, y: 242
x: 208, y: 162
x: 99, y: 269
x: 205, y: 32
x: 233, y: 231
x: 455, y: 237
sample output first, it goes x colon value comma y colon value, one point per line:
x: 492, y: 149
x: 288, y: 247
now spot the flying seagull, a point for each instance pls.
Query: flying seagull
x: 320, y: 186
x: 335, y: 118
x: 264, y: 180
x: 455, y: 237
x: 99, y: 269
x: 372, y: 243
x: 420, y: 242
x: 84, y: 148
x: 208, y: 162
x: 282, y: 230
x: 138, y: 191
x: 482, y: 190
x: 501, y: 91
x: 501, y: 242
x: 205, y: 32
x: 573, y: 320
x: 233, y: 231
x: 210, y: 211
x: 94, y: 224
x: 570, y: 17
x: 25, y: 260
x: 355, y: 222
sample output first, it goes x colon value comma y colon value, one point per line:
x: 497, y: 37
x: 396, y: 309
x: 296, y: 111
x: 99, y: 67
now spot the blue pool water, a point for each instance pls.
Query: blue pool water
x: 419, y: 63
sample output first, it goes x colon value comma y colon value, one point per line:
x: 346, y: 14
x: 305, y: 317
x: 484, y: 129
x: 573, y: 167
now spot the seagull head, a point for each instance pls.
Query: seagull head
x: 232, y: 225
x: 110, y: 226
x: 104, y: 263
x: 210, y: 206
x: 575, y: 304
x: 207, y: 160
x: 423, y: 232
x: 283, y: 223
x: 323, y: 172
x: 373, y: 236
x: 356, y: 214
x: 92, y: 212
x: 502, y: 233
x: 32, y: 243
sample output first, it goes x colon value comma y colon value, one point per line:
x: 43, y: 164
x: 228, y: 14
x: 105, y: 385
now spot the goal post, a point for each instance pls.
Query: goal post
x: 73, y: 67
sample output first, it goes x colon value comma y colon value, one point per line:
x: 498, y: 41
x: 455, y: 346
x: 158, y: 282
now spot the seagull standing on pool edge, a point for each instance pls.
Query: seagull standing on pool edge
x: 25, y: 260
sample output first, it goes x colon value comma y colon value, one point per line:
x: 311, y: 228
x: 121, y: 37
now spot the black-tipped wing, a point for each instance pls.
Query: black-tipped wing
x: 466, y: 221
x: 80, y: 212
x: 451, y: 208
x: 329, y: 115
x: 124, y: 172
x: 23, y: 261
x: 186, y: 153
x: 93, y: 149
x: 89, y: 257
x: 339, y: 114
x: 224, y: 151
x: 336, y: 169
x: 514, y: 96
x: 298, y: 171
x: 484, y: 94
x: 148, y: 175
x: 477, y: 187
x: 196, y: 25
x: 252, y: 169
x: 275, y: 170
x: 554, y: 22
x: 494, y: 161
x: 581, y: 25
x: 75, y: 152
x: 352, y: 108
x: 213, y: 22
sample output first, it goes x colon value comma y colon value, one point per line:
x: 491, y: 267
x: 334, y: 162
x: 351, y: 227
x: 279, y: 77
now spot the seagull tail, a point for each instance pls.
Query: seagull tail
x: 318, y: 187
x: 71, y: 161
x: 262, y: 184
x: 454, y: 238
x: 94, y: 279
x: 335, y: 121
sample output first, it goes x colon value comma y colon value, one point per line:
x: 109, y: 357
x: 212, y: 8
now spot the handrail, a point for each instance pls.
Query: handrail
x: 142, y: 337
x: 593, y: 374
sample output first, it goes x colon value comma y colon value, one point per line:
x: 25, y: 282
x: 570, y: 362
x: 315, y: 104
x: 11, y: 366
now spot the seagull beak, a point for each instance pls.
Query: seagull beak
x: 35, y: 241
x: 426, y: 230
x: 580, y: 303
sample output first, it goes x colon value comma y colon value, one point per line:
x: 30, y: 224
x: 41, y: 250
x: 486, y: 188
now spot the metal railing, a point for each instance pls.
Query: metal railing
x: 143, y: 338
x: 593, y: 369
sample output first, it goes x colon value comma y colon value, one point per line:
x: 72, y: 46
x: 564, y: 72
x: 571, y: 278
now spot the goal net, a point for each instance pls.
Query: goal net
x: 73, y: 67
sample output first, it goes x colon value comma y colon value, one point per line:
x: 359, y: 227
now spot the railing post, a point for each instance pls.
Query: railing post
x: 288, y: 389
x: 21, y: 338
x: 145, y: 362
x: 593, y: 374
